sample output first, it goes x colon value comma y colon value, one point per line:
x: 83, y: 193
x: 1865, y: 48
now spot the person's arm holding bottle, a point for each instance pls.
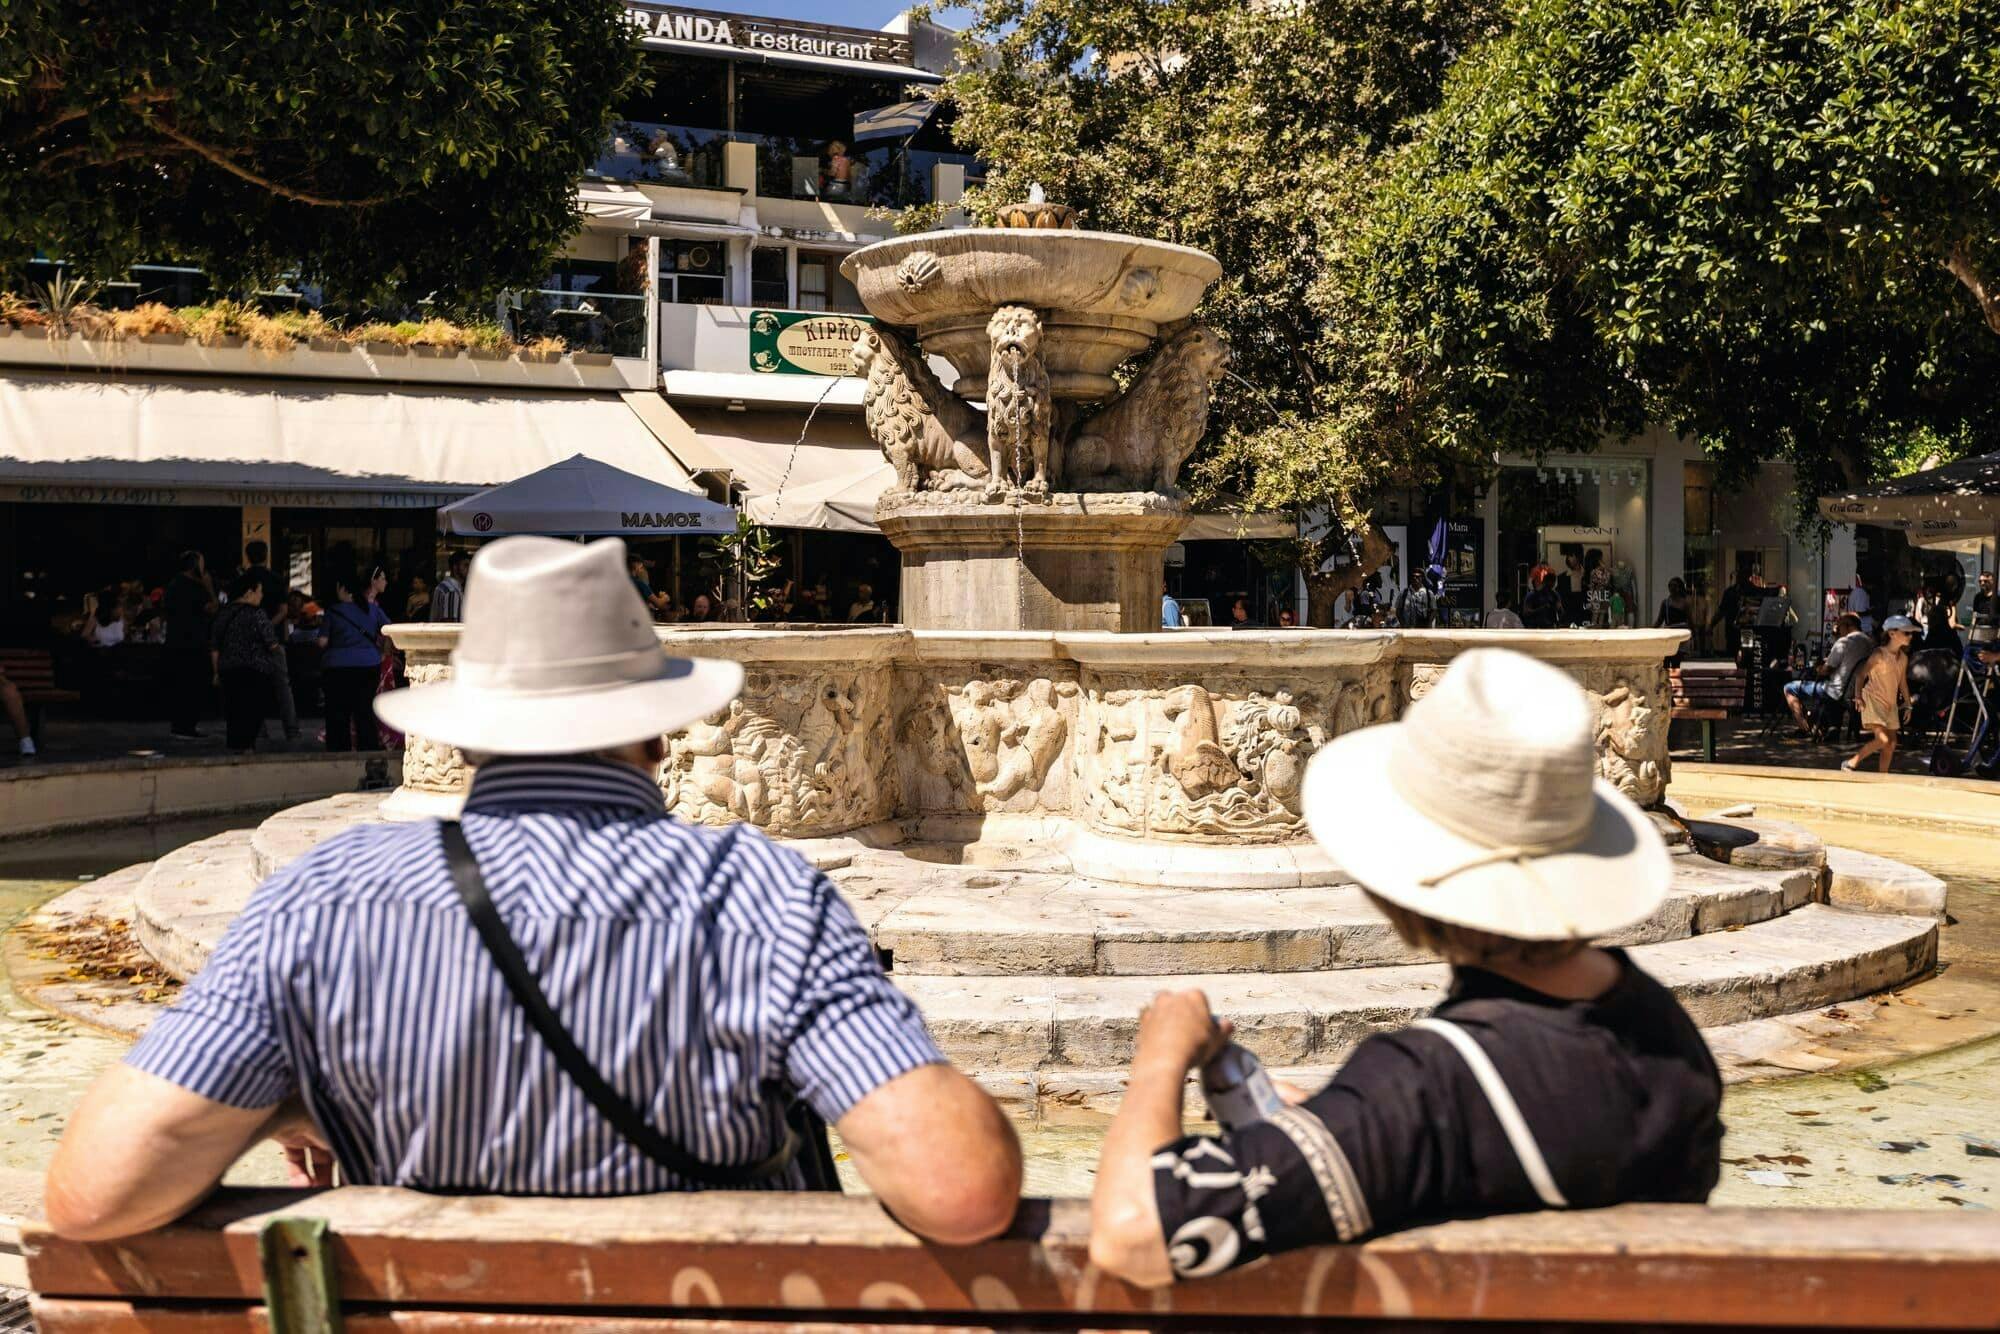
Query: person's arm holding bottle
x: 1176, y: 1034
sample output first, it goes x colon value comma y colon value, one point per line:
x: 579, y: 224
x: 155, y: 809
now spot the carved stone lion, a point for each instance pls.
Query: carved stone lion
x: 1140, y: 440
x: 933, y: 438
x: 1019, y: 411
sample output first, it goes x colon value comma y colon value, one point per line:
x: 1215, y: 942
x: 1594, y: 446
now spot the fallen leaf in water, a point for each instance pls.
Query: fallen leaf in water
x: 1788, y: 1159
x: 1869, y: 1108
x: 1963, y: 1204
x: 1812, y: 1113
x: 1901, y: 1145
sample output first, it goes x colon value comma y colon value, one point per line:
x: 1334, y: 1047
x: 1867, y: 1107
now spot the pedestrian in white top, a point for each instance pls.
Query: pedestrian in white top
x: 1503, y: 617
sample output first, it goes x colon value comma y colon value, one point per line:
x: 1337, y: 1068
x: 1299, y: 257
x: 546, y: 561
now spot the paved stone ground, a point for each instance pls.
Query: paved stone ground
x: 1748, y: 740
x: 67, y: 739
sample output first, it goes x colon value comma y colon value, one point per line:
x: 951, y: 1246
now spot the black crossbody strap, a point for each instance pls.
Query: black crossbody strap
x: 624, y: 1117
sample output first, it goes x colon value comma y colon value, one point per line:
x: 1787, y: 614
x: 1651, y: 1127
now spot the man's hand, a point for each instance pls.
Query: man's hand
x: 308, y: 1156
x: 1178, y: 1032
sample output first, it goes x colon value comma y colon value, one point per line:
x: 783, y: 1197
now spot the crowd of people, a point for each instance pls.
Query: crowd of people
x: 247, y: 635
x: 719, y: 1005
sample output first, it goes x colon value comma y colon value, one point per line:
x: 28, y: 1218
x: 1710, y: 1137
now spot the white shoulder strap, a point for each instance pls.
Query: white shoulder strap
x: 1504, y: 1107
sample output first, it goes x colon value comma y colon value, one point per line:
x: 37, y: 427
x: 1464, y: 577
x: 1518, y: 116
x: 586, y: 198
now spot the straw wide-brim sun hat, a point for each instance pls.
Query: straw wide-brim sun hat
x: 558, y: 656
x: 1482, y: 808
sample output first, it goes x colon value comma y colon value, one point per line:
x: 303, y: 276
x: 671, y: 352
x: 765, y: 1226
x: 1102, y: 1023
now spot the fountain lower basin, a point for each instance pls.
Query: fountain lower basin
x: 1169, y: 758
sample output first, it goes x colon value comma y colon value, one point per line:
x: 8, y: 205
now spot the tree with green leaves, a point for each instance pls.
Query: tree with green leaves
x: 413, y: 147
x: 1773, y: 225
x: 1251, y: 131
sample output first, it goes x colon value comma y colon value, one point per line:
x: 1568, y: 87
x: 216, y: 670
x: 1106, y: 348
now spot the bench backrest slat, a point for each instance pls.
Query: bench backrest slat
x: 1649, y: 1264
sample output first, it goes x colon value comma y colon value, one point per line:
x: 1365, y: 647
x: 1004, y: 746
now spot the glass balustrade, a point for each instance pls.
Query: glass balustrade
x: 660, y: 154
x: 613, y: 322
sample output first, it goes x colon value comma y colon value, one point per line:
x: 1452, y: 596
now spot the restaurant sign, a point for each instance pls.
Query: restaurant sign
x: 674, y: 23
x: 804, y: 342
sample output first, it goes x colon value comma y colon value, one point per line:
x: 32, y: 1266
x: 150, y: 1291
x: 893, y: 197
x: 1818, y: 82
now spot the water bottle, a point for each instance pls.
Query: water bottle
x: 1238, y: 1090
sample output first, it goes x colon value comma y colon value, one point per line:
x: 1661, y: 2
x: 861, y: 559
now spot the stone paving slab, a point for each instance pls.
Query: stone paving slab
x: 1807, y: 958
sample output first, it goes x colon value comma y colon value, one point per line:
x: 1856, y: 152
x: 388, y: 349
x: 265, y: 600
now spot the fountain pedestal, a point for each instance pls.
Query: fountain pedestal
x: 1060, y: 562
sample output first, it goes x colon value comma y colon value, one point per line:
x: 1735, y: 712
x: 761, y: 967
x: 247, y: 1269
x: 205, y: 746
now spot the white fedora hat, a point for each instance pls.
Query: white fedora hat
x: 1482, y: 808
x: 558, y: 656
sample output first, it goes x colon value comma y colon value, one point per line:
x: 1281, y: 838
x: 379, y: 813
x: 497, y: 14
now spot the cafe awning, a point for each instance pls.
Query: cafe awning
x: 584, y: 497
x: 1954, y: 499
x: 197, y: 440
x: 829, y: 480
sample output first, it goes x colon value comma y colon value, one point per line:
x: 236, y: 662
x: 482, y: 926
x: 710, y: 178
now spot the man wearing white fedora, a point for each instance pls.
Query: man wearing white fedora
x: 565, y: 992
x: 1554, y: 1074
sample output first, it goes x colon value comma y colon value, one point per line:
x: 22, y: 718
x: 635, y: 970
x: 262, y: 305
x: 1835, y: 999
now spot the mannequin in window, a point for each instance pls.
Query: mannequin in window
x: 837, y: 181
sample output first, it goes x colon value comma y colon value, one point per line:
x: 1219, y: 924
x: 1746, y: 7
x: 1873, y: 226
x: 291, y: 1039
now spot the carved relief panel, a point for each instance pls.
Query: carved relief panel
x: 986, y: 737
x: 801, y: 753
x: 1223, y: 759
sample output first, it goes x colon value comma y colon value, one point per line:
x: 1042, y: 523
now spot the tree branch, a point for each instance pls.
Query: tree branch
x: 1959, y: 263
x: 221, y: 159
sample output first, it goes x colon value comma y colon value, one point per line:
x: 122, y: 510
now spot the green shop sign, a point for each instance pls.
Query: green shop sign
x: 803, y: 342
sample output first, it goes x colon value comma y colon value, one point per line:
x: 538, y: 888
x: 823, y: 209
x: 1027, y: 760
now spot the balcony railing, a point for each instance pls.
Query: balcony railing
x: 612, y: 322
x: 663, y: 154
x: 883, y: 176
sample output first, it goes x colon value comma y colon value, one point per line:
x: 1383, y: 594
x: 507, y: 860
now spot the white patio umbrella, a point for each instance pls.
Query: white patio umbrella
x: 581, y: 497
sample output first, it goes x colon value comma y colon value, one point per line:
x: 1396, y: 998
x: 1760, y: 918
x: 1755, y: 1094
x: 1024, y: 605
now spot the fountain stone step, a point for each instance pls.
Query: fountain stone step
x: 984, y: 921
x: 1814, y: 956
x: 975, y: 920
x: 188, y: 898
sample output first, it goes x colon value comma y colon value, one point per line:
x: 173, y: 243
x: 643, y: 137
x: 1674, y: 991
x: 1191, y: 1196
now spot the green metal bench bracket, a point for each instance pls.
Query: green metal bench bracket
x: 301, y: 1292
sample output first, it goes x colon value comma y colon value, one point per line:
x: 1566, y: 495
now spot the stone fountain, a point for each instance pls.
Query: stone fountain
x: 1052, y: 509
x: 1041, y: 819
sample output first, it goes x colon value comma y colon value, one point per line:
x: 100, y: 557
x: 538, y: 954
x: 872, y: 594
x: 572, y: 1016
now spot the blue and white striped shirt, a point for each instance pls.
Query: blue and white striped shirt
x: 701, y: 970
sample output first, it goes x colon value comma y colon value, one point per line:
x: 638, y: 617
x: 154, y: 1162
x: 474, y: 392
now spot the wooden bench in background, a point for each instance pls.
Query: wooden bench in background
x: 33, y: 673
x: 371, y: 1259
x: 1707, y: 693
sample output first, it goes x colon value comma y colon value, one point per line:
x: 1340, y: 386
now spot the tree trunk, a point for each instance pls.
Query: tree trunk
x: 1323, y: 588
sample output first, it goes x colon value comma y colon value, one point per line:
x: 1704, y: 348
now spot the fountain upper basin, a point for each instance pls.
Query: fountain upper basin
x: 1104, y: 296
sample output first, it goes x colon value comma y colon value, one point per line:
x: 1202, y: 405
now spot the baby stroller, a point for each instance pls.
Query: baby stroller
x: 1976, y: 691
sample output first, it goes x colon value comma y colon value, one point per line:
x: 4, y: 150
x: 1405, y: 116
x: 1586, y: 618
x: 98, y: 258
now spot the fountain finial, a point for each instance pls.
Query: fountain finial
x: 1037, y: 212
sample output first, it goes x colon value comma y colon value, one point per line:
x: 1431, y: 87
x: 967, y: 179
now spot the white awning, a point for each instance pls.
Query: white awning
x: 609, y: 199
x: 1230, y: 526
x: 222, y: 441
x: 754, y: 389
x: 830, y: 480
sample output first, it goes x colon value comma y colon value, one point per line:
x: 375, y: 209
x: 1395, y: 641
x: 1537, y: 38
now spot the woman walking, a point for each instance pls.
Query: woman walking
x: 1885, y: 693
x: 245, y: 649
x: 351, y: 665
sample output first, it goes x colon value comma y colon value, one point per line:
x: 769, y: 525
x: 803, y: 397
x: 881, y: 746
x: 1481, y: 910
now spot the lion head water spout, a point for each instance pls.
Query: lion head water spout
x: 1052, y: 510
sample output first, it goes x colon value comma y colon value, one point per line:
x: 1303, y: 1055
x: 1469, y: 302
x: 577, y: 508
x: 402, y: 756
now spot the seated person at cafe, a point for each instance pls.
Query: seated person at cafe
x: 838, y: 179
x: 1851, y: 648
x: 1556, y: 1074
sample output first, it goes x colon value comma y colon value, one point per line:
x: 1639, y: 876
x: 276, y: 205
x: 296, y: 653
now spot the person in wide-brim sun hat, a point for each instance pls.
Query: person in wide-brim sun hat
x: 1554, y: 1074
x: 1482, y: 809
x: 557, y: 655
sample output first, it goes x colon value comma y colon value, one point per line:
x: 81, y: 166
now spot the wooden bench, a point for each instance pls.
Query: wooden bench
x: 370, y: 1259
x: 33, y: 672
x: 1707, y: 693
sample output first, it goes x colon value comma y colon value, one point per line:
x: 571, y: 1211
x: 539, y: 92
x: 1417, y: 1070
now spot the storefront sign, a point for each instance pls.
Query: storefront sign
x: 803, y: 342
x: 673, y: 23
x: 654, y: 519
x: 65, y: 493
